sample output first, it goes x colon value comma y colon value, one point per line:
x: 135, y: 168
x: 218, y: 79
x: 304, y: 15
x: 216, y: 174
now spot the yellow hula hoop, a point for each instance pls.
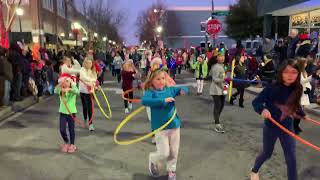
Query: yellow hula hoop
x: 99, y: 105
x: 128, y: 118
x: 231, y: 82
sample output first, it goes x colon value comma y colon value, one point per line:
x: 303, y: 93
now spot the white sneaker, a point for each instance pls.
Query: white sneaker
x: 219, y: 128
x: 91, y: 127
x: 153, y: 141
x: 130, y: 106
x: 126, y: 110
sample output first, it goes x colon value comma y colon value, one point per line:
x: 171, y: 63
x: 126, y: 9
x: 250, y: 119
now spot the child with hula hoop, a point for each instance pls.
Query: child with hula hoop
x: 160, y: 98
x: 68, y: 91
x: 88, y: 79
x: 280, y: 101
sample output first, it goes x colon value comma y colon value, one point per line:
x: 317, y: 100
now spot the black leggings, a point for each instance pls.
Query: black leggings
x: 129, y: 96
x: 87, y: 106
x: 240, y: 91
x: 218, y: 101
x: 64, y: 120
x: 118, y: 73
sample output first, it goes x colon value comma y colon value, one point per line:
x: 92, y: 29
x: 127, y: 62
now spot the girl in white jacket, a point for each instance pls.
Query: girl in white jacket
x: 88, y: 79
x: 70, y: 66
x: 306, y: 85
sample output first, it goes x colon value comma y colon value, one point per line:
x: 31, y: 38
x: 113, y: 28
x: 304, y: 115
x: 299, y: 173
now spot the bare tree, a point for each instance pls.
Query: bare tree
x: 11, y: 6
x: 108, y: 21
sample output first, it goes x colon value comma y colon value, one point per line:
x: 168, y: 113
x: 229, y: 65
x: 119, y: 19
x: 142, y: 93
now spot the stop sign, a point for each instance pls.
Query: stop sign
x: 213, y: 26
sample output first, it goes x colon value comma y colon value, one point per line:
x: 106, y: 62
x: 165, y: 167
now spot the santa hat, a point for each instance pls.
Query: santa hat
x: 156, y: 60
x: 66, y: 76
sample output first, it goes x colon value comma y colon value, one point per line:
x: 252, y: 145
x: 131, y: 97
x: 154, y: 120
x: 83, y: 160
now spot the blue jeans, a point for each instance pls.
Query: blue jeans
x: 7, y: 89
x: 51, y: 88
x: 270, y: 136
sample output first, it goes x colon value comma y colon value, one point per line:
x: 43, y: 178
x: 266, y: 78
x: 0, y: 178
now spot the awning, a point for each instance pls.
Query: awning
x: 20, y: 36
x: 298, y: 8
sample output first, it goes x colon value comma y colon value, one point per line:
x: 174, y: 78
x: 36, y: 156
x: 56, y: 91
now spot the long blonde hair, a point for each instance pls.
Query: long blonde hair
x: 88, y: 59
x: 148, y: 83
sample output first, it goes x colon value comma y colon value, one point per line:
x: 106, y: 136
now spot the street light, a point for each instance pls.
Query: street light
x: 95, y: 34
x: 159, y: 29
x: 62, y: 35
x: 155, y: 10
x: 20, y: 13
x: 114, y: 43
x: 110, y: 41
x: 104, y: 38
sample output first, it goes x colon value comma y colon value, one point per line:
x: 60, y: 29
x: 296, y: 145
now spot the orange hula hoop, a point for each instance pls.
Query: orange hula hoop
x: 298, y: 138
x: 130, y: 100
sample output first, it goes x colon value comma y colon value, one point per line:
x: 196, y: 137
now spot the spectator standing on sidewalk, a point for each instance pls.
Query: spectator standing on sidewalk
x: 15, y: 59
x: 6, y: 78
x: 293, y: 43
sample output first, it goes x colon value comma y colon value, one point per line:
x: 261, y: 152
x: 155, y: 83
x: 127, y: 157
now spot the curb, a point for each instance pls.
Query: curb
x: 8, y: 111
x: 308, y: 110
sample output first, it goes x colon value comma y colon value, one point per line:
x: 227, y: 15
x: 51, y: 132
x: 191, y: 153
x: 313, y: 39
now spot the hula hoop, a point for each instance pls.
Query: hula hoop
x: 298, y: 138
x: 128, y: 118
x: 99, y: 105
x: 130, y: 100
x: 231, y: 82
x: 66, y: 106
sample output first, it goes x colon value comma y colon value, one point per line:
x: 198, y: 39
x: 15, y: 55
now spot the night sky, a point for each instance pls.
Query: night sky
x: 134, y: 7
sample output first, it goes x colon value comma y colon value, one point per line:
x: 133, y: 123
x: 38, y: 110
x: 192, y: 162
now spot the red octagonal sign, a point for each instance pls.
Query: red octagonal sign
x: 213, y: 26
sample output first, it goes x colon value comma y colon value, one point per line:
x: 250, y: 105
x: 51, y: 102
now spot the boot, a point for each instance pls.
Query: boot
x: 241, y: 103
x: 232, y: 99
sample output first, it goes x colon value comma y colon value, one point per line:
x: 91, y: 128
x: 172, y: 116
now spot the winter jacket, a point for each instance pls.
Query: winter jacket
x: 117, y: 62
x: 304, y: 49
x: 218, y: 75
x: 87, y: 77
x: 305, y: 82
x: 292, y: 47
x: 6, y: 69
x: 127, y: 79
x: 161, y: 112
x: 204, y: 69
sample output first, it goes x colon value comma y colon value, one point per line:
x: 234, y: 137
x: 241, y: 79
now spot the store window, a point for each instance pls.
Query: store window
x: 61, y: 8
x: 47, y: 4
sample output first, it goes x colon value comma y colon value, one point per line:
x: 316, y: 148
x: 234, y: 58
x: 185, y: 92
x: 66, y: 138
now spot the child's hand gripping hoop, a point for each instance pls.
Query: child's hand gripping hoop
x: 130, y: 100
x: 301, y: 140
x: 128, y: 118
x: 99, y: 105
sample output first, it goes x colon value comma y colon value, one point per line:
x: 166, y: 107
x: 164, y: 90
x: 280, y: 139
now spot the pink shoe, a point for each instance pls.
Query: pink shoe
x: 65, y: 147
x: 72, y: 148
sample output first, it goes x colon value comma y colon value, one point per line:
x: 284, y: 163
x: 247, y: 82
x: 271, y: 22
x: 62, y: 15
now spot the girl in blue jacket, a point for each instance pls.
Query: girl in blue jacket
x: 160, y: 98
x: 280, y: 101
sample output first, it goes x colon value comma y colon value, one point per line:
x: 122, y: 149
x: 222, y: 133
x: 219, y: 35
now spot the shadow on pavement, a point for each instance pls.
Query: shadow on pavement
x: 310, y: 172
x: 13, y: 124
x: 146, y: 177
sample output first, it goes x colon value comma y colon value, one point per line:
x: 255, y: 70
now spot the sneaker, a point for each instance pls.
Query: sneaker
x: 153, y: 169
x: 172, y: 175
x: 254, y: 176
x: 219, y: 128
x: 153, y: 141
x: 130, y: 106
x: 65, y: 147
x: 126, y: 110
x: 72, y: 148
x: 91, y: 127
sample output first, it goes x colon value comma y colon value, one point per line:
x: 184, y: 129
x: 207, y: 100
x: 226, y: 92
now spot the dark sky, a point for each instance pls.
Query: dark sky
x: 134, y: 7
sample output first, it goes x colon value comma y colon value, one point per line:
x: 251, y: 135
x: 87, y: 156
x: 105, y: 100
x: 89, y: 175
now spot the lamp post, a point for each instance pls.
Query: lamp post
x: 20, y: 13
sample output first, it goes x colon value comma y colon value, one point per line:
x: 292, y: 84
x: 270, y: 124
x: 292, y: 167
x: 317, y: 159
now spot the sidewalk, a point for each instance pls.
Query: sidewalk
x: 312, y: 109
x: 7, y: 111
